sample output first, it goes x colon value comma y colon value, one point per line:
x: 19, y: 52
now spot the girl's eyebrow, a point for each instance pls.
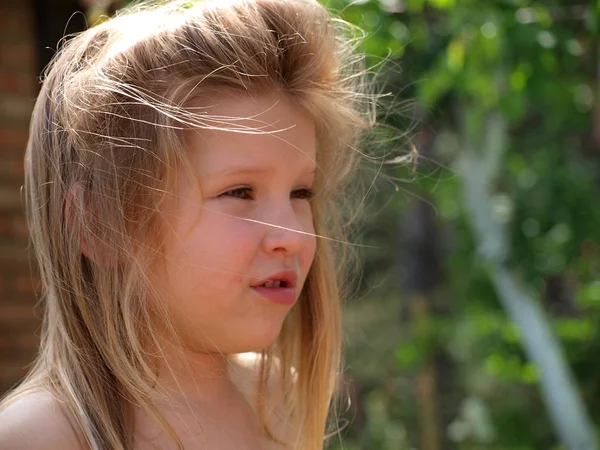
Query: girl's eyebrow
x: 245, y: 170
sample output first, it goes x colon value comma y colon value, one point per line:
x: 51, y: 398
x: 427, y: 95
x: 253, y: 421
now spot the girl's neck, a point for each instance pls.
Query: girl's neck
x: 199, y: 378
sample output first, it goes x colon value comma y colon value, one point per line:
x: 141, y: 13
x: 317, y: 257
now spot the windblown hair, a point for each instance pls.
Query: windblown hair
x: 106, y: 144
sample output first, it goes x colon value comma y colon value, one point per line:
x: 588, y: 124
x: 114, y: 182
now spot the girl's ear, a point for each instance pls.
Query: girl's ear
x: 77, y: 220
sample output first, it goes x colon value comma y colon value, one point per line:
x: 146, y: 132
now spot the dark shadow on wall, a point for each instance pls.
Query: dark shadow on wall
x: 55, y: 19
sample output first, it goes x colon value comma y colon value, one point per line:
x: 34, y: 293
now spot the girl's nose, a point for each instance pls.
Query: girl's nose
x: 284, y: 232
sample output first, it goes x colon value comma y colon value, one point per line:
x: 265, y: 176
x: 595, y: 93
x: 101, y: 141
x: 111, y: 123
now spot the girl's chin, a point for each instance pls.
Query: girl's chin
x: 254, y: 342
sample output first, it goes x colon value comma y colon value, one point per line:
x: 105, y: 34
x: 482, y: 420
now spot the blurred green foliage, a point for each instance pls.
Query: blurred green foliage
x: 537, y: 63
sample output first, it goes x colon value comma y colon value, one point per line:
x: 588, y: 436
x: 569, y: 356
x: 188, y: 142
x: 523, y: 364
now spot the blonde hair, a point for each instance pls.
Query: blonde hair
x: 109, y: 121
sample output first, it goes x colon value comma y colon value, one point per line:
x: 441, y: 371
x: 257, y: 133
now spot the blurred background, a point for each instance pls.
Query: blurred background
x: 475, y: 325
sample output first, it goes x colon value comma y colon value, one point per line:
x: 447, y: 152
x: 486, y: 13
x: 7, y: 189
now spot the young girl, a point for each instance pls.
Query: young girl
x: 185, y: 174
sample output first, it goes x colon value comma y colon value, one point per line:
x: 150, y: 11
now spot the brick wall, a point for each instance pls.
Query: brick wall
x: 18, y: 88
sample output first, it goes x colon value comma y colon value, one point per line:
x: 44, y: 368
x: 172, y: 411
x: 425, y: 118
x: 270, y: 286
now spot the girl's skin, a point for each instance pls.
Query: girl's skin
x: 216, y: 249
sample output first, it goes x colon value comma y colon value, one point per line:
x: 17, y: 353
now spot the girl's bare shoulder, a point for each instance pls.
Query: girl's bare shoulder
x: 36, y: 421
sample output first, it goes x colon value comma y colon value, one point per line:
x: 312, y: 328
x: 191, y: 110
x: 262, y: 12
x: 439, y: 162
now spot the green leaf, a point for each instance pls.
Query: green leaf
x: 442, y: 4
x: 590, y: 295
x: 456, y: 55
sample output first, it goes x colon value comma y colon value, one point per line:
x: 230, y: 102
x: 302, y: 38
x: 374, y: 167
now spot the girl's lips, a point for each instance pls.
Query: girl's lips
x: 280, y: 295
x: 288, y: 277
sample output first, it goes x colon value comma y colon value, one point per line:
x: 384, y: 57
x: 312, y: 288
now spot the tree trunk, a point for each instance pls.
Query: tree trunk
x: 421, y: 259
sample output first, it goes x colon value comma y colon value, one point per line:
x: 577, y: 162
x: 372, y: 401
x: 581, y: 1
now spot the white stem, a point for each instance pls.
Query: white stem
x: 559, y: 389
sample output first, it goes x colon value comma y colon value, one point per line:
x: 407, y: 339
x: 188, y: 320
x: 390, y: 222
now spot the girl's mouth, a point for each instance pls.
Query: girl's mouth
x: 279, y: 288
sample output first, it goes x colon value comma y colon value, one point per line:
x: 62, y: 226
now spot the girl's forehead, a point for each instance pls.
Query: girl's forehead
x: 252, y: 130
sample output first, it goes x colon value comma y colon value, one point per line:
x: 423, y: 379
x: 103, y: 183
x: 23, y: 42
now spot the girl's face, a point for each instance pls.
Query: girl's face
x: 250, y: 222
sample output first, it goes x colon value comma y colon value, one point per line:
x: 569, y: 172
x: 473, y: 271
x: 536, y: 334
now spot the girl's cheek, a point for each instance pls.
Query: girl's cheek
x: 240, y: 280
x: 236, y: 237
x: 312, y: 252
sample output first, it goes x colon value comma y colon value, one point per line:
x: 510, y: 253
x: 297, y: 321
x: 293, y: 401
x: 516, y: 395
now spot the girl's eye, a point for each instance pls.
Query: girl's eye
x: 244, y: 193
x: 303, y: 194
